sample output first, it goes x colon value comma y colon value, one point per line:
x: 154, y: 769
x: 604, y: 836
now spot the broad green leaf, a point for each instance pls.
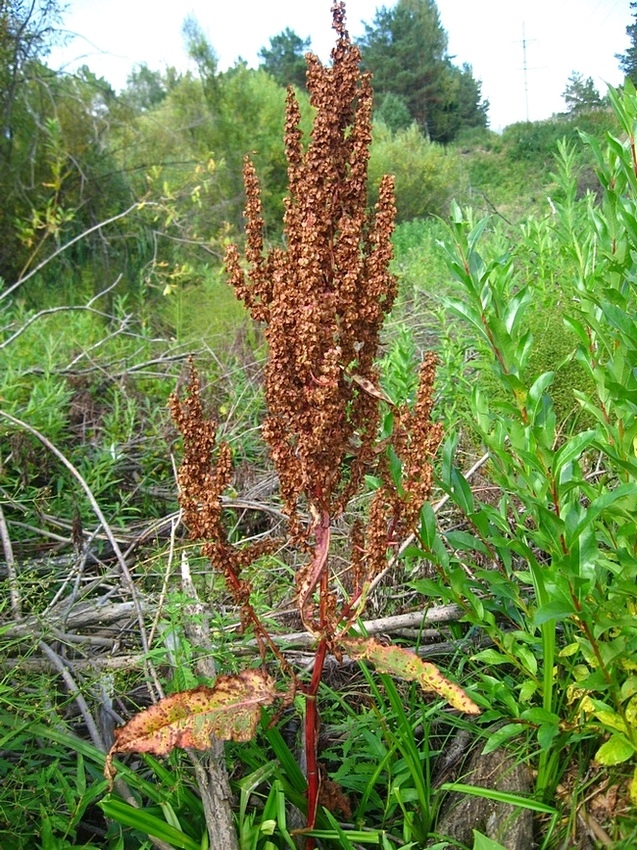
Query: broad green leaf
x: 611, y: 720
x: 540, y: 386
x: 569, y: 650
x: 557, y: 610
x: 463, y: 496
x: 572, y: 449
x: 614, y: 751
x: 464, y: 311
x: 491, y: 656
x: 540, y: 715
x: 465, y: 542
x: 602, y: 503
x: 515, y: 308
x: 397, y: 661
x: 527, y: 690
x: 427, y: 525
x: 546, y: 733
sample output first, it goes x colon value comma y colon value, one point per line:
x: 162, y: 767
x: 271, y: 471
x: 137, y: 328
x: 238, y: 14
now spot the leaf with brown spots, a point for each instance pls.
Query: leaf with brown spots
x: 407, y: 665
x: 230, y: 710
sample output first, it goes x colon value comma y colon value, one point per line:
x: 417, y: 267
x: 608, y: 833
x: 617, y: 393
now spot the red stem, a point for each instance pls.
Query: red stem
x: 320, y: 578
x: 311, y: 738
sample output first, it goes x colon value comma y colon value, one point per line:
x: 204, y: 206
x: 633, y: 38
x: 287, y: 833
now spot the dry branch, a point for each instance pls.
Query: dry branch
x: 14, y: 591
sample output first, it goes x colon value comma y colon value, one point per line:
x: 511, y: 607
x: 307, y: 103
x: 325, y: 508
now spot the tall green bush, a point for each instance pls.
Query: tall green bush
x: 545, y: 565
x: 427, y: 175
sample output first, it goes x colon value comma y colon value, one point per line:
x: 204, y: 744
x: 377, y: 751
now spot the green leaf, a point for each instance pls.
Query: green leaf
x: 546, y: 733
x: 481, y: 842
x: 540, y: 386
x: 491, y: 656
x: 147, y: 823
x: 500, y: 797
x: 465, y: 542
x: 427, y: 526
x: 462, y: 494
x: 504, y: 733
x: 572, y: 449
x: 558, y: 610
x: 614, y: 751
x: 540, y: 715
x: 611, y: 720
x: 464, y: 311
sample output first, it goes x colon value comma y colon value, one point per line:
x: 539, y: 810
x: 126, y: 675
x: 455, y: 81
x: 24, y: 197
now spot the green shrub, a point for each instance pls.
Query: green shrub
x: 427, y: 175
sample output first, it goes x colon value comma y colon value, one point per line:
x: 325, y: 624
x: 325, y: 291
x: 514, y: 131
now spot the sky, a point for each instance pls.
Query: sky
x: 523, y: 51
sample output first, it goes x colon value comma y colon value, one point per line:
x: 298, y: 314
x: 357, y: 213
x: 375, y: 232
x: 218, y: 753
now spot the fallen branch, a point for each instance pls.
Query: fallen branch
x: 438, y: 614
x: 66, y: 308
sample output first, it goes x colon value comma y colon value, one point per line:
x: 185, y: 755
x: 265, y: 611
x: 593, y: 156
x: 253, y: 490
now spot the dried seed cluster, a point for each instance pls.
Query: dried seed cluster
x: 204, y: 473
x: 323, y: 299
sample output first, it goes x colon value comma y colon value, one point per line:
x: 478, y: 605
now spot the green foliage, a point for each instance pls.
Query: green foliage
x: 512, y: 173
x: 26, y: 31
x: 540, y: 324
x: 628, y: 60
x: 146, y: 88
x: 112, y: 428
x: 45, y: 790
x: 580, y: 94
x: 393, y: 112
x: 427, y: 175
x: 544, y: 567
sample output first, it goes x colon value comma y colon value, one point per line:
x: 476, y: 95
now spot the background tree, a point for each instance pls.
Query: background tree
x: 628, y: 60
x: 581, y: 94
x: 393, y: 112
x: 146, y: 88
x: 200, y: 50
x: 406, y: 50
x: 285, y: 58
x: 26, y: 31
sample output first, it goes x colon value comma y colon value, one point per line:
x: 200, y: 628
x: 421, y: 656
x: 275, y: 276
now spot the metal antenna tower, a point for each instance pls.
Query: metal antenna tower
x: 525, y: 68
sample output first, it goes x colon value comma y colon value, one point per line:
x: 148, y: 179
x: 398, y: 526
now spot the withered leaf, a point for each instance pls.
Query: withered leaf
x: 370, y: 388
x: 230, y: 709
x: 407, y: 665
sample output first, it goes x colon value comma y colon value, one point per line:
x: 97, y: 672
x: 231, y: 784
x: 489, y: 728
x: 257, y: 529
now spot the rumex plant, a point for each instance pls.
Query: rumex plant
x: 322, y: 298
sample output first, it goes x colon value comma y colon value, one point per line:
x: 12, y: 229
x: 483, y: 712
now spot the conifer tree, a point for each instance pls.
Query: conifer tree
x: 405, y: 48
x: 285, y: 58
x: 628, y: 60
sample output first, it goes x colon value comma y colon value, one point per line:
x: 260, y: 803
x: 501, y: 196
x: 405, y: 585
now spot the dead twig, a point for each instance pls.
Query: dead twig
x: 62, y: 667
x: 14, y: 590
x: 125, y: 572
